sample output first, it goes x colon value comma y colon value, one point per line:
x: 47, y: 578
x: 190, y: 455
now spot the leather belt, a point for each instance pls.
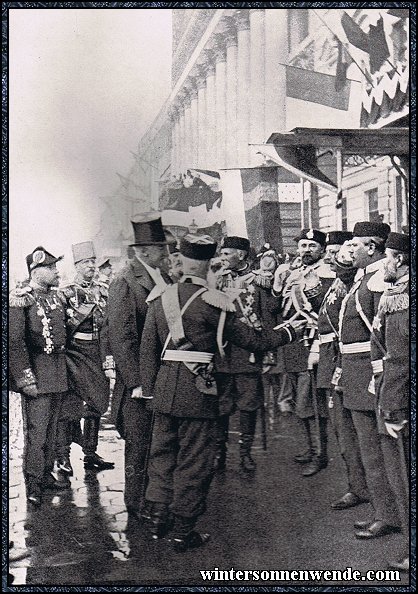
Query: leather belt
x: 324, y: 338
x: 84, y: 335
x: 355, y: 347
x: 188, y: 356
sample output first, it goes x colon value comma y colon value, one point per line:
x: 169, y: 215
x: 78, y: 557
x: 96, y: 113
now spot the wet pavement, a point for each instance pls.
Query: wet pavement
x: 271, y: 520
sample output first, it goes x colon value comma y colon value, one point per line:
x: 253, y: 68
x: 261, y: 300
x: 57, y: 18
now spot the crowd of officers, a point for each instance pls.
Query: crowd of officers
x: 187, y: 334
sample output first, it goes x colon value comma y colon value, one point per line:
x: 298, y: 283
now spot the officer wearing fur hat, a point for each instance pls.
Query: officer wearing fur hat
x: 390, y: 362
x: 355, y: 373
x: 88, y: 363
x: 300, y: 293
x: 185, y: 326
x: 37, y: 341
x: 338, y: 257
x: 128, y: 296
x: 239, y: 375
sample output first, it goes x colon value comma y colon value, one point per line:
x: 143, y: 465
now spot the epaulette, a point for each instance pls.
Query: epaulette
x: 156, y: 292
x: 66, y: 290
x: 376, y: 283
x: 21, y: 297
x: 218, y: 299
x: 395, y: 298
x: 263, y: 281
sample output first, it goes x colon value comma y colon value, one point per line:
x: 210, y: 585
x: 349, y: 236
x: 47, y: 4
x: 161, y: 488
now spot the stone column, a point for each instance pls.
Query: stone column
x: 188, y: 140
x: 194, y: 155
x: 174, y: 117
x: 181, y: 161
x: 220, y: 87
x: 210, y: 134
x: 276, y: 53
x: 201, y: 116
x: 231, y: 43
x: 257, y: 71
x: 243, y: 76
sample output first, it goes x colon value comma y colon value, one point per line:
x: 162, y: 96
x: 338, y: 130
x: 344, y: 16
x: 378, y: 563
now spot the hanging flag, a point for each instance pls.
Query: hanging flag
x: 355, y: 34
x: 341, y: 73
x: 400, y: 13
x: 316, y: 87
x: 189, y: 190
x: 378, y: 47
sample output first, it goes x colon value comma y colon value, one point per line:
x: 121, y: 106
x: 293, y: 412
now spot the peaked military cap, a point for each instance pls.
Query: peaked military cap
x: 104, y: 262
x: 313, y: 235
x: 198, y: 247
x: 238, y: 243
x: 371, y: 229
x: 148, y: 229
x: 338, y: 237
x: 398, y: 241
x: 40, y: 257
x: 83, y: 251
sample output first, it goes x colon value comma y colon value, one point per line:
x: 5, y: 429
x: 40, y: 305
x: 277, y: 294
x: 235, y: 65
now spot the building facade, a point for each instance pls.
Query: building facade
x: 240, y: 75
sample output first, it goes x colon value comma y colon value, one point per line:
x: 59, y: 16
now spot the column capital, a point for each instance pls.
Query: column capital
x: 242, y: 19
x: 200, y: 77
x: 219, y: 47
x: 230, y: 32
x: 207, y: 62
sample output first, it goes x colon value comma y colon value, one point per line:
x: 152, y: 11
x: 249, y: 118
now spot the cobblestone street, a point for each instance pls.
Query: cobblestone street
x: 274, y: 520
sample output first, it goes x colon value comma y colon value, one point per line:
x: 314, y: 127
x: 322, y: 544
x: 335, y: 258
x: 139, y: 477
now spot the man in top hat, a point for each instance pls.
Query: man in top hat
x: 87, y: 360
x: 338, y: 257
x: 354, y: 374
x: 37, y: 340
x: 301, y: 292
x: 390, y: 362
x: 128, y: 306
x: 239, y: 374
x: 185, y: 326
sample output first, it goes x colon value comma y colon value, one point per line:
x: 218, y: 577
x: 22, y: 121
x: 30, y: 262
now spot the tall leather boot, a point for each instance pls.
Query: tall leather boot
x: 320, y: 458
x: 184, y: 537
x: 92, y: 460
x: 64, y: 439
x: 306, y: 456
x: 222, y: 428
x: 247, y: 424
x: 161, y: 520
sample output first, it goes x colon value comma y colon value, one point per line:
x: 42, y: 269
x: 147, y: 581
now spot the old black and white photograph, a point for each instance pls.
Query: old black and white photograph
x: 207, y: 271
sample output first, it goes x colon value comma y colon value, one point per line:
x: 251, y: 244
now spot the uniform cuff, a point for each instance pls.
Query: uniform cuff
x: 395, y: 416
x: 26, y: 379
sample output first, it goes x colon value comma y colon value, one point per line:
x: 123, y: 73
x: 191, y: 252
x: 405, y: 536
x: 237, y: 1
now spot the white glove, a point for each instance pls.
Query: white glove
x: 394, y: 428
x: 137, y: 394
x: 313, y: 359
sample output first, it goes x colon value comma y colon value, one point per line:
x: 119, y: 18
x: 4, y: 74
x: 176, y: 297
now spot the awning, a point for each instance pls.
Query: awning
x: 302, y: 161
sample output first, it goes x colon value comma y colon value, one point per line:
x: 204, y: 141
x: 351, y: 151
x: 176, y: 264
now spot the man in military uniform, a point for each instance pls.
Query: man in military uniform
x: 358, y: 310
x: 184, y: 328
x: 238, y: 376
x: 301, y: 292
x: 86, y: 300
x: 127, y: 308
x: 390, y: 362
x: 37, y: 339
x: 339, y: 260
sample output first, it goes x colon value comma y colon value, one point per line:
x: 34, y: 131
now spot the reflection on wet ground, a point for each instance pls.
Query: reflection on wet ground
x: 273, y: 519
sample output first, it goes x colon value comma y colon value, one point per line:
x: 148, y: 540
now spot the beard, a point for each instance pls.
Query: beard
x: 389, y: 275
x: 308, y: 259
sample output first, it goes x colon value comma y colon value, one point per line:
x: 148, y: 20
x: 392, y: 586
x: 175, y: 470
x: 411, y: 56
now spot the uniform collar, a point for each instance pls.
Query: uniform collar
x: 194, y: 280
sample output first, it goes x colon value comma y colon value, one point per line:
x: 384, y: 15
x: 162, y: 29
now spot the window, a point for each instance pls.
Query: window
x: 298, y: 26
x: 373, y: 205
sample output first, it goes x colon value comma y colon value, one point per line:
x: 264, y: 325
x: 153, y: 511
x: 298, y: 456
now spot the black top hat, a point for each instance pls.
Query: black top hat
x: 148, y: 230
x: 312, y: 235
x: 198, y: 247
x: 40, y: 257
x: 238, y: 243
x: 371, y: 229
x: 398, y: 241
x: 338, y: 237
